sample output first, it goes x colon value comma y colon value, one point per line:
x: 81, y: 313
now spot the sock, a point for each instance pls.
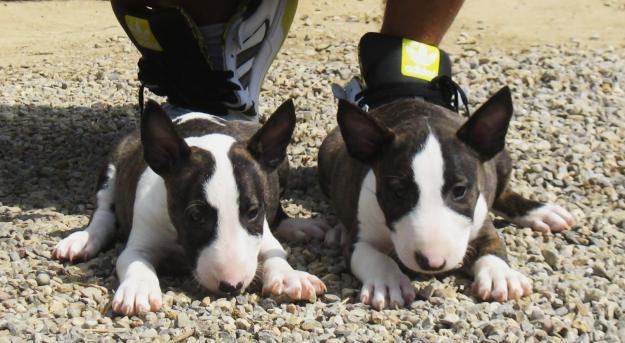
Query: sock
x: 213, y: 36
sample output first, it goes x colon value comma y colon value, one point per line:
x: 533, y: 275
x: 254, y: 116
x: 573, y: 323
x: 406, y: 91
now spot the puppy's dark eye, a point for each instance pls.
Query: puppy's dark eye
x: 459, y: 192
x: 401, y: 193
x: 196, y: 216
x: 398, y: 187
x: 252, y: 213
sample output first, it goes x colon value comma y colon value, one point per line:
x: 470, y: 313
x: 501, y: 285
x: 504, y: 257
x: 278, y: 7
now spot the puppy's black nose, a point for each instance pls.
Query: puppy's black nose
x: 429, y: 264
x: 226, y: 287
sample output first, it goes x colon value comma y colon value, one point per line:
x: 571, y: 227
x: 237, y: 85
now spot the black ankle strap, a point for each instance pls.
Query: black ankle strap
x: 442, y: 91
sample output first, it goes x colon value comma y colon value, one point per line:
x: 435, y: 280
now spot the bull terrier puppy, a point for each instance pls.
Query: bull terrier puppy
x: 414, y: 180
x: 202, y: 188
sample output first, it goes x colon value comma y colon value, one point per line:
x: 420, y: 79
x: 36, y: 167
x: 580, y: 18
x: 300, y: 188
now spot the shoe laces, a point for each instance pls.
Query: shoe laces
x: 442, y: 90
x: 451, y: 93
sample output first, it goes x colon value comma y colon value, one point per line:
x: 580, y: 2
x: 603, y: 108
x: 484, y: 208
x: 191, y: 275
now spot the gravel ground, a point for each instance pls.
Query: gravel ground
x: 59, y: 120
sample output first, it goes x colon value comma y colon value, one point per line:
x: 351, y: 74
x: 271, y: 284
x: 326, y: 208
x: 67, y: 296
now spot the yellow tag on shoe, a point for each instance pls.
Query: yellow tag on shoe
x: 419, y: 60
x: 142, y: 33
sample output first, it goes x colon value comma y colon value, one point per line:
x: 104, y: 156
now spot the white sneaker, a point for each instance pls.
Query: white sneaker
x: 252, y: 39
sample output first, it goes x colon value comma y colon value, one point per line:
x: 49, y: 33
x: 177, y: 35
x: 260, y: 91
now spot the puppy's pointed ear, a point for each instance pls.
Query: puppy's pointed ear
x: 163, y: 149
x: 364, y: 137
x: 269, y: 143
x: 485, y: 132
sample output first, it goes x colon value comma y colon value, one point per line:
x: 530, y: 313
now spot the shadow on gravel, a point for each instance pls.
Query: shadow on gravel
x: 51, y: 156
x: 303, y: 190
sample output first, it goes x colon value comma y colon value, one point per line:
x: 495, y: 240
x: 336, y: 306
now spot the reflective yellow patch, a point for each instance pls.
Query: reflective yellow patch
x: 142, y: 33
x: 419, y: 60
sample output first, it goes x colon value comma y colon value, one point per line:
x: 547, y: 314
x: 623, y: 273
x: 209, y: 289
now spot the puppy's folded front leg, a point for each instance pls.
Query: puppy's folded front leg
x: 139, y: 290
x: 383, y: 283
x: 278, y: 275
x: 493, y: 277
x: 542, y: 217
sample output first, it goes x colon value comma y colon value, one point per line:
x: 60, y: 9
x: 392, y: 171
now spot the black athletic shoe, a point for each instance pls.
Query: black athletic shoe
x: 173, y: 60
x: 394, y: 67
x: 221, y: 77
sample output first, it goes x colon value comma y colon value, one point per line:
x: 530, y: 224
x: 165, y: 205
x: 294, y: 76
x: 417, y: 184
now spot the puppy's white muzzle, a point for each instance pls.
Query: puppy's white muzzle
x: 228, y: 267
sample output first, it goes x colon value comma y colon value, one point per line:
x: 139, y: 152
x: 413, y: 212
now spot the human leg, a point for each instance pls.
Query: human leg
x: 424, y: 21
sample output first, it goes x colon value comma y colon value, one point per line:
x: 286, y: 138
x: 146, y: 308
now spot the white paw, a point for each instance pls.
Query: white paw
x: 79, y: 245
x: 547, y: 218
x: 138, y: 295
x: 392, y: 290
x: 301, y: 229
x: 494, y: 279
x: 296, y: 284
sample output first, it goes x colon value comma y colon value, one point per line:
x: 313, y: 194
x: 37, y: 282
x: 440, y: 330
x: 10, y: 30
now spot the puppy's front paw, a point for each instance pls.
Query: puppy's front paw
x: 494, y: 279
x: 301, y: 229
x: 547, y: 218
x: 391, y: 290
x: 296, y: 284
x: 77, y: 246
x: 138, y: 295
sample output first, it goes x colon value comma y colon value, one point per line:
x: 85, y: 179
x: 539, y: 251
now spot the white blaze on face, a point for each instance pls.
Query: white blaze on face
x: 432, y: 228
x: 232, y: 256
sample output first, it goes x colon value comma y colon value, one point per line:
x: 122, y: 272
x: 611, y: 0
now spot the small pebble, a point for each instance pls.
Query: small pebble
x: 182, y: 320
x: 310, y: 325
x: 43, y: 279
